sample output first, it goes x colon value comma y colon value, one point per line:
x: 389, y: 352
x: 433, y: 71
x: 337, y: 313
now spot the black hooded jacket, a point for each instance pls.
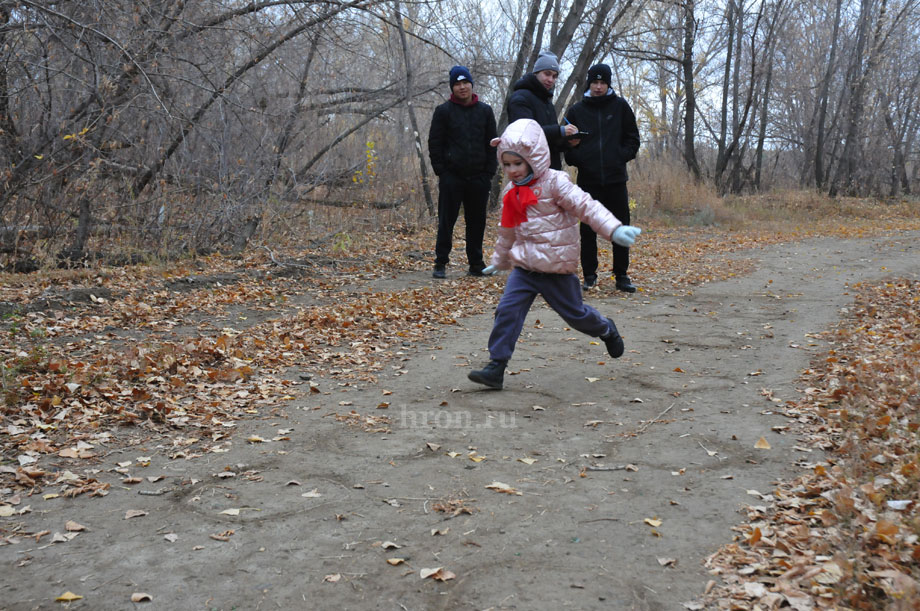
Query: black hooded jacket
x: 612, y: 141
x: 531, y: 100
x: 458, y: 141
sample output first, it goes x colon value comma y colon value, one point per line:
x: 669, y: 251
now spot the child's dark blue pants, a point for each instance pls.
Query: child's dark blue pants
x: 563, y: 294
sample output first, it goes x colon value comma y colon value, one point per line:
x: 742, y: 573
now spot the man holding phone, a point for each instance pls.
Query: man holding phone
x: 610, y: 138
x: 532, y: 98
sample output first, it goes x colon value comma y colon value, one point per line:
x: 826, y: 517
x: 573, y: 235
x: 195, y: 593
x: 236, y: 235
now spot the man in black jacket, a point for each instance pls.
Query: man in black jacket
x: 532, y: 98
x: 601, y: 156
x: 461, y: 156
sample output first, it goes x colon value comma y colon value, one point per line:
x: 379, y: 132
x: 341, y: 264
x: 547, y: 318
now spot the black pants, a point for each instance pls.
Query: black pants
x: 615, y: 198
x: 473, y: 195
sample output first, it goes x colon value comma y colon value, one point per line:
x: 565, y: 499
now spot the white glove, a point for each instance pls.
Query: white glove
x: 488, y: 271
x: 625, y: 235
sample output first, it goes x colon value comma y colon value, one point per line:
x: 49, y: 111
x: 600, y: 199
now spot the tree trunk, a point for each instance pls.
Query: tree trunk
x: 588, y: 50
x: 8, y: 134
x: 690, y: 102
x: 84, y: 225
x: 527, y: 44
x: 734, y: 156
x: 560, y: 40
x: 764, y: 117
x: 426, y: 187
x: 726, y: 78
x: 538, y: 39
x: 823, y: 97
x: 845, y: 177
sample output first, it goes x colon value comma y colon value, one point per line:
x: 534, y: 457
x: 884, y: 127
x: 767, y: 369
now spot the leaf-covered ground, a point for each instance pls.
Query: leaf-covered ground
x: 846, y: 534
x: 97, y: 360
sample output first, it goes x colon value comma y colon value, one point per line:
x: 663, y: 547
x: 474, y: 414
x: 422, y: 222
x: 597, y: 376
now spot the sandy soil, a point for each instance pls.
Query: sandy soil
x: 599, y: 450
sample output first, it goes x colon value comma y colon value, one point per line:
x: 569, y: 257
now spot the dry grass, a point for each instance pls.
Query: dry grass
x: 666, y: 194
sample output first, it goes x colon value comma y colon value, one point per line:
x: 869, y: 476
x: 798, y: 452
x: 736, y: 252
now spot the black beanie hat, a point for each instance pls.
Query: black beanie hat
x: 598, y: 72
x: 460, y: 73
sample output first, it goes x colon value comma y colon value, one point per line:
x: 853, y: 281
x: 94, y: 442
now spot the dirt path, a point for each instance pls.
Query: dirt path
x: 598, y: 462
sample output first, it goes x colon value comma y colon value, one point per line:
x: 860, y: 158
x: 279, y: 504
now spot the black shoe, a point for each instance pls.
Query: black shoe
x: 625, y: 284
x: 475, y: 271
x: 439, y: 272
x: 492, y: 375
x: 613, y: 341
x: 590, y: 282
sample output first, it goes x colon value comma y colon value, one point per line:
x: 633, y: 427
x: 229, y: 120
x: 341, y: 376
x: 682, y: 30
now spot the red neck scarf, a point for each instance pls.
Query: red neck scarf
x: 456, y: 101
x: 514, y: 204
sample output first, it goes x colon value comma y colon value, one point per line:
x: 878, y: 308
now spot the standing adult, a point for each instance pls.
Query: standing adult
x: 463, y: 159
x: 612, y: 140
x: 532, y: 98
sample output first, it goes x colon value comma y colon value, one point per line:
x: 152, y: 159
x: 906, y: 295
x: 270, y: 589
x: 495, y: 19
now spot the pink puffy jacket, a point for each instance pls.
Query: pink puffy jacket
x: 549, y: 241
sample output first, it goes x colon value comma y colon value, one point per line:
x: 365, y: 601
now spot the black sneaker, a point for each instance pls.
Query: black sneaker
x: 439, y: 272
x: 590, y: 282
x: 625, y: 284
x: 613, y: 341
x: 492, y: 375
x: 475, y: 271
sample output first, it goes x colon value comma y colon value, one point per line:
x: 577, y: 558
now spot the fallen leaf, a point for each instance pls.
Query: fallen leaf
x: 334, y: 577
x: 313, y: 494
x: 63, y: 538
x: 6, y: 511
x: 68, y: 597
x: 439, y: 531
x: 433, y: 446
x: 73, y: 526
x: 438, y: 574
x: 527, y: 461
x: 762, y: 444
x: 395, y: 561
x: 390, y: 545
x: 134, y: 513
x: 75, y: 453
x: 592, y: 380
x: 233, y: 511
x: 831, y: 574
x: 171, y: 537
x: 653, y: 522
x: 667, y: 561
x: 505, y: 488
x: 141, y: 597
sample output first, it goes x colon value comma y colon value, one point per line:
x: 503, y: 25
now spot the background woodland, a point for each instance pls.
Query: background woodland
x: 140, y: 128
